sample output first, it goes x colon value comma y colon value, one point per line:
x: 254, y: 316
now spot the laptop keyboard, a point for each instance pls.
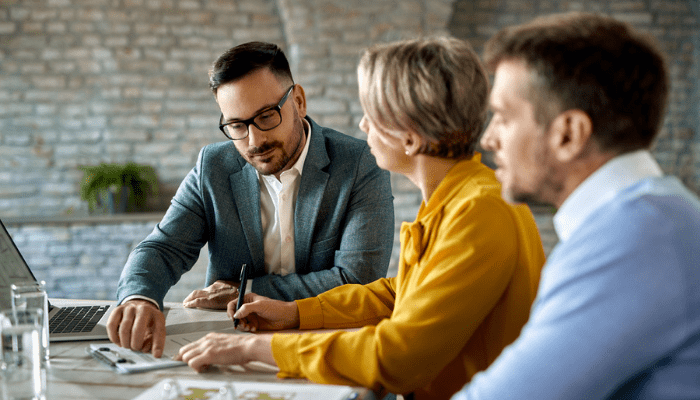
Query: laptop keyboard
x: 76, y: 319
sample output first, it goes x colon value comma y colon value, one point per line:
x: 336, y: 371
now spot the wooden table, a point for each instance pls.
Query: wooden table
x: 74, y: 374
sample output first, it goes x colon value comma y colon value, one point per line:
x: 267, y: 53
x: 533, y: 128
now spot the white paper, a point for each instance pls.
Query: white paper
x: 205, y: 389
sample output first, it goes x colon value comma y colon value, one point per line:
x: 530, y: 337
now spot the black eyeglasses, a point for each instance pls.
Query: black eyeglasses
x: 264, y: 120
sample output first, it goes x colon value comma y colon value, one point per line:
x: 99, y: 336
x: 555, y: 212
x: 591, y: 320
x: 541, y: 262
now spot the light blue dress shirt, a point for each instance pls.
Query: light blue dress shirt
x: 617, y: 314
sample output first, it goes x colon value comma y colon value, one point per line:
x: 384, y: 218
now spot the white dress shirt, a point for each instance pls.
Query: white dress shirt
x: 278, y: 199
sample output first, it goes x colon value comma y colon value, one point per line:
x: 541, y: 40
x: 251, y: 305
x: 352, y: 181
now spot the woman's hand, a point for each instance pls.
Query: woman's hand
x: 262, y: 313
x: 226, y: 349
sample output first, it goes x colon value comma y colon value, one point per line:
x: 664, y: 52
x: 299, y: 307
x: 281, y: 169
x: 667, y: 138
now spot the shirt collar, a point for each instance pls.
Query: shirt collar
x: 299, y: 164
x: 602, y: 186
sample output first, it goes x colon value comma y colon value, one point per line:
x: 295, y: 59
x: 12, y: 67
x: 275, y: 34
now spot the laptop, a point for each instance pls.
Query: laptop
x: 84, y: 322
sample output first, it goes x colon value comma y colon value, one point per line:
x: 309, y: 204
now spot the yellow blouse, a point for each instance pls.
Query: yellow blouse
x: 468, y: 273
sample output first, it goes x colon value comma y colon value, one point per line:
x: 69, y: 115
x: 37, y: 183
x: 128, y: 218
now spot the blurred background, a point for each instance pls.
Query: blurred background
x: 87, y: 82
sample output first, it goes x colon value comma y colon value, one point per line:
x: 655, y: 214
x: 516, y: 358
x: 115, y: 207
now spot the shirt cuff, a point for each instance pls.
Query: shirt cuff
x: 138, y: 296
x: 310, y: 313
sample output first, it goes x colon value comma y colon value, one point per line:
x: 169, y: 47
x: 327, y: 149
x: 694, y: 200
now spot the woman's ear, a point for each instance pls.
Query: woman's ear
x: 412, y: 143
x: 570, y: 135
x: 299, y: 98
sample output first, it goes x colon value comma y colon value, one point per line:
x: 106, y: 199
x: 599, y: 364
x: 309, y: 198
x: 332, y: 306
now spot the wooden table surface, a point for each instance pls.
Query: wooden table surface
x: 74, y: 374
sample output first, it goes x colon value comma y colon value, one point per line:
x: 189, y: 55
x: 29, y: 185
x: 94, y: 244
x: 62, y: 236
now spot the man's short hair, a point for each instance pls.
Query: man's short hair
x: 247, y: 58
x: 435, y: 87
x: 595, y: 64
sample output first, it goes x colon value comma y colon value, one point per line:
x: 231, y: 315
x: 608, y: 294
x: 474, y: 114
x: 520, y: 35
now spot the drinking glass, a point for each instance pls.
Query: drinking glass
x: 22, y: 373
x: 30, y: 295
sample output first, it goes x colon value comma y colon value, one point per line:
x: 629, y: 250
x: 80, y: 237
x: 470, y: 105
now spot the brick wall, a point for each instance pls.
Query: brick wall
x: 90, y: 81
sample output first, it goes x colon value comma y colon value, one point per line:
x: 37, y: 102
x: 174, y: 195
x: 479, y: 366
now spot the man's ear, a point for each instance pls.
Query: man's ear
x: 570, y: 135
x: 299, y: 98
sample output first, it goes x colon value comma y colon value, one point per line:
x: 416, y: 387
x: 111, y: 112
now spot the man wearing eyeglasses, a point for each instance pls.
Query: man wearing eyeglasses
x: 305, y: 207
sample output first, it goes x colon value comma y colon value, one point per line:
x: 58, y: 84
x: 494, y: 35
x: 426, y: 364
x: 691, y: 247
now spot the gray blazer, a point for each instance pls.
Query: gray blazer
x: 343, y: 223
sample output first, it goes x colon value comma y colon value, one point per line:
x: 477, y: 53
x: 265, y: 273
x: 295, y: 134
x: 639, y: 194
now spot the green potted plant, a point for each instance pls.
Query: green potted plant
x: 118, y: 188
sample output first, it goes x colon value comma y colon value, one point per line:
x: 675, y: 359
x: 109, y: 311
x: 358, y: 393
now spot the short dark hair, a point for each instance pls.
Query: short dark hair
x: 246, y: 58
x: 593, y: 63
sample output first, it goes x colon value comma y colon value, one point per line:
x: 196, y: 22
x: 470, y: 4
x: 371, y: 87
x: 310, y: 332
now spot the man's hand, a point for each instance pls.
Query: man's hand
x: 262, y: 313
x: 216, y: 296
x: 226, y: 349
x: 138, y: 325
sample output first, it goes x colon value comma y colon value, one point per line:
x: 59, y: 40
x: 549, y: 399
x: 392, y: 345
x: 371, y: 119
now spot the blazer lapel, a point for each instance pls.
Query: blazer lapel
x: 246, y: 194
x: 311, y: 189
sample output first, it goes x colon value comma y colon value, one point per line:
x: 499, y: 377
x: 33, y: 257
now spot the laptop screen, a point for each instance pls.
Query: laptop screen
x: 13, y: 268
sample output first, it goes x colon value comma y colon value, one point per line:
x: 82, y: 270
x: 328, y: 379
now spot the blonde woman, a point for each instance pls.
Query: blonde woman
x: 469, y: 264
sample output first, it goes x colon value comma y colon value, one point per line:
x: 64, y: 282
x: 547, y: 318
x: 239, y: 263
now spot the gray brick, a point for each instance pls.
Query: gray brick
x: 200, y: 18
x: 7, y: 28
x: 157, y: 149
x: 46, y: 234
x: 191, y: 54
x: 188, y: 5
x: 272, y: 34
x: 71, y: 123
x: 116, y: 41
x: 634, y: 17
x: 58, y: 3
x: 24, y: 139
x: 174, y: 66
x: 19, y: 13
x: 255, y: 7
x: 326, y: 106
x: 131, y: 135
x: 11, y: 191
x: 96, y: 122
x: 15, y: 109
x: 81, y: 136
x: 674, y: 6
x: 32, y: 27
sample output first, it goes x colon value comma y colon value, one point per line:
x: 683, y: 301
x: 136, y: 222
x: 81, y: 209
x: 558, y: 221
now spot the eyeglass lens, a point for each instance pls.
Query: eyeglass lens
x: 266, y: 120
x: 269, y: 119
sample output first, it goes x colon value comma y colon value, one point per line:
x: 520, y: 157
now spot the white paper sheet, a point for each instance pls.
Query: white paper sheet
x: 206, y: 389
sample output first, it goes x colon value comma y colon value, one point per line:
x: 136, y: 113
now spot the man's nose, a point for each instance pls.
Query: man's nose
x: 488, y: 140
x: 256, y: 137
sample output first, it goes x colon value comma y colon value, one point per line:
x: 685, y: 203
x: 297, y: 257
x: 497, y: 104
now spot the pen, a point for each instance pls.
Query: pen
x: 241, y: 291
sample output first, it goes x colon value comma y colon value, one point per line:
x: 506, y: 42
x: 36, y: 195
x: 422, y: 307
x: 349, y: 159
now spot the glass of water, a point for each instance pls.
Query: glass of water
x: 22, y: 373
x: 32, y: 295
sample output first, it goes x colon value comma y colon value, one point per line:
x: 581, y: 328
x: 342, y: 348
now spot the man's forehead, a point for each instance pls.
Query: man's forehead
x: 243, y: 98
x: 510, y: 82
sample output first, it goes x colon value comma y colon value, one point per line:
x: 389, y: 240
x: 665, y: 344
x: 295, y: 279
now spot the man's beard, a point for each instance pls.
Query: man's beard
x: 271, y: 168
x: 545, y: 191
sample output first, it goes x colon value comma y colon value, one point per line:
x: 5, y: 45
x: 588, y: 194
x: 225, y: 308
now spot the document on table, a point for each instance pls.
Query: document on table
x: 205, y: 389
x: 125, y: 361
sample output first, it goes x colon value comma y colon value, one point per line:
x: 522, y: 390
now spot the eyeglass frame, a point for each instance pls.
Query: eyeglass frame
x: 251, y: 120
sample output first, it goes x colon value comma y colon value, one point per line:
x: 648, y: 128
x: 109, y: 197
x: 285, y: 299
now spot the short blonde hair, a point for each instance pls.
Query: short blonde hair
x: 436, y: 87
